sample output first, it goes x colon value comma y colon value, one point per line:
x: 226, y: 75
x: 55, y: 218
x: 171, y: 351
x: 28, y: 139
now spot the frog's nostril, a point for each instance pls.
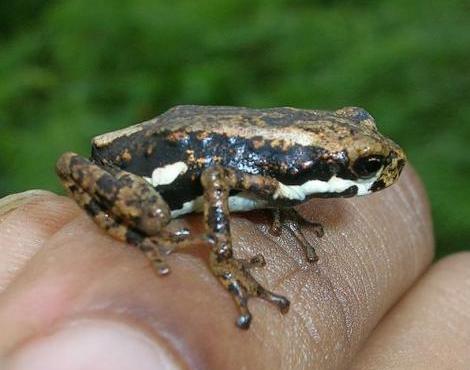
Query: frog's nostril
x: 400, y: 165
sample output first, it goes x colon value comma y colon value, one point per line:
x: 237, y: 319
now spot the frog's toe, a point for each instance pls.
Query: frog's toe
x: 256, y: 261
x: 309, y: 249
x: 280, y: 301
x: 235, y: 276
x: 161, y: 268
x: 244, y: 321
x: 158, y: 262
x: 310, y: 253
x: 180, y: 235
x: 317, y: 229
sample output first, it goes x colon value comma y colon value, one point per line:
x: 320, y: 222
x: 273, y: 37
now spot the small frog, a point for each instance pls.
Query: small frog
x: 218, y: 160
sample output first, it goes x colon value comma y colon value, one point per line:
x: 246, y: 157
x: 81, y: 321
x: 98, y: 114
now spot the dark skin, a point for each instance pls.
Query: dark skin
x: 62, y: 268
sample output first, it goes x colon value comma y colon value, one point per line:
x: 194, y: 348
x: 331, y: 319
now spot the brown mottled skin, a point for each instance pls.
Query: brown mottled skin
x: 227, y: 151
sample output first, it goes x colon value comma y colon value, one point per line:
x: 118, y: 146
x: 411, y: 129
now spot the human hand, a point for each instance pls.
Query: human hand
x: 71, y: 297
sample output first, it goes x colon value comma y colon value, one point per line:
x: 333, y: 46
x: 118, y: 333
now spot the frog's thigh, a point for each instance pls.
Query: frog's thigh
x: 120, y: 194
x: 79, y: 177
x: 99, y: 216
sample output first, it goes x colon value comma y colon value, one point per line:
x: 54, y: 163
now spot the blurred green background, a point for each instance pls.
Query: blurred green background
x: 73, y: 69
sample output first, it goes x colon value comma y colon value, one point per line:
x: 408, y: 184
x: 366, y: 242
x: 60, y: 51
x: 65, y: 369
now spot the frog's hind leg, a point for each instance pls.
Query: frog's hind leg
x: 114, y: 201
x: 289, y: 218
x: 232, y: 273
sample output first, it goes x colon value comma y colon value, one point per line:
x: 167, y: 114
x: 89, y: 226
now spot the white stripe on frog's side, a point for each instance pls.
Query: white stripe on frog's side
x: 333, y: 185
x: 167, y: 174
x: 241, y: 202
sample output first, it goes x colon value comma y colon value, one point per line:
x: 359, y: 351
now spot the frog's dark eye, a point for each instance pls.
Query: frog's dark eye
x: 367, y: 167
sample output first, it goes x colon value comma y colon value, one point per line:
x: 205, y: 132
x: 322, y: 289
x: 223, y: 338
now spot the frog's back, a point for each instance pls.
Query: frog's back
x: 296, y: 126
x: 243, y: 122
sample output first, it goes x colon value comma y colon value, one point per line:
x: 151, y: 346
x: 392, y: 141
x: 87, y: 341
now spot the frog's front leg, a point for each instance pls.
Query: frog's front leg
x: 123, y: 204
x: 232, y: 273
x: 268, y: 188
x: 288, y: 218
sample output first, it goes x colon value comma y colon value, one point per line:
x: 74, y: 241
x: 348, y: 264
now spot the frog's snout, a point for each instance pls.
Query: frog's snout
x: 394, y: 164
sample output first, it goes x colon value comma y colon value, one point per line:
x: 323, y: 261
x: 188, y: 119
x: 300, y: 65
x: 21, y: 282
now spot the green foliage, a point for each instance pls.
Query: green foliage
x: 72, y: 69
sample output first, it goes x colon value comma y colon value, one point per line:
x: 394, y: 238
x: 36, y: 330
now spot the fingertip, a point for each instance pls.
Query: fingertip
x: 93, y: 344
x: 27, y: 220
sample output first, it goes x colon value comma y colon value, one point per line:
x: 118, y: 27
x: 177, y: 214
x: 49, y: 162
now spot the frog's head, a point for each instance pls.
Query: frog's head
x: 373, y: 160
x: 339, y: 154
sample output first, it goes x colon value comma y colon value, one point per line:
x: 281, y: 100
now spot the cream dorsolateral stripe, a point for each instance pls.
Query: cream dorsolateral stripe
x: 333, y: 185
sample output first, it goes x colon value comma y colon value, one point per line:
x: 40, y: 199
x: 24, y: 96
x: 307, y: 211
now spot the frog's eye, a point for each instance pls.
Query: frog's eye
x: 366, y: 167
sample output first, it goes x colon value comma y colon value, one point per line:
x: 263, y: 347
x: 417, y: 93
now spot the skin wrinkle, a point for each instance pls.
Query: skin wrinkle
x: 365, y: 279
x: 385, y: 279
x: 348, y: 282
x: 329, y: 309
x: 410, y: 230
x: 354, y: 267
x: 389, y: 254
x: 306, y: 305
x: 361, y: 304
x: 304, y: 347
x: 350, y: 323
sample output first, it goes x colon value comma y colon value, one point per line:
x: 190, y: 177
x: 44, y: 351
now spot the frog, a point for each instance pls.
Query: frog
x: 217, y: 160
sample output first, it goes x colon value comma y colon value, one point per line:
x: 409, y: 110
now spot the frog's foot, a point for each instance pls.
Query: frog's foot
x: 292, y: 221
x: 235, y: 276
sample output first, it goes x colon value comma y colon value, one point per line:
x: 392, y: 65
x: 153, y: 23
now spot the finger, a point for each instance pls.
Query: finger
x: 26, y: 220
x: 430, y: 327
x: 372, y: 251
